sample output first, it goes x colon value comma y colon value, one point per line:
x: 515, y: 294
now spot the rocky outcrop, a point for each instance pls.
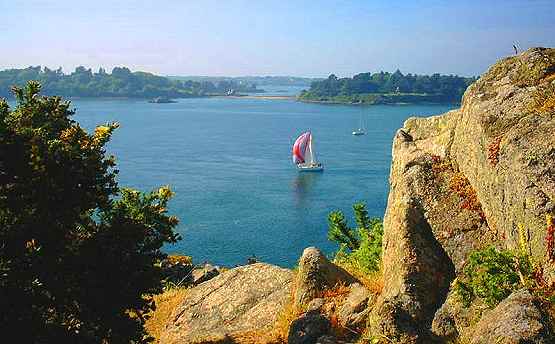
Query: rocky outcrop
x: 517, y: 319
x: 239, y: 300
x: 462, y: 181
x: 316, y: 274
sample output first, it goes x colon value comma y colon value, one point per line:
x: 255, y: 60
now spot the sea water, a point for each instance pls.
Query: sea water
x: 237, y: 193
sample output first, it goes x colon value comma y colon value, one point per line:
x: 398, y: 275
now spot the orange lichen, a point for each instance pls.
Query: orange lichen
x: 469, y: 199
x: 493, y: 151
x: 550, y: 238
x: 440, y: 165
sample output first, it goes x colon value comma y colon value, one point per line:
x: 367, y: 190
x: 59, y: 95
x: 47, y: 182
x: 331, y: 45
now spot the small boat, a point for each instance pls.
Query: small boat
x: 303, y: 154
x: 162, y: 100
x: 360, y: 130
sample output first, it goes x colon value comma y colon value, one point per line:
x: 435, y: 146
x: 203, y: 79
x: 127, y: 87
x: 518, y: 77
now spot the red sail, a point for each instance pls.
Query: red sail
x: 299, y: 148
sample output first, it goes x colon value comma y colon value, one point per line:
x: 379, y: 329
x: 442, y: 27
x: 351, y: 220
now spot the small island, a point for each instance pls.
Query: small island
x: 387, y: 88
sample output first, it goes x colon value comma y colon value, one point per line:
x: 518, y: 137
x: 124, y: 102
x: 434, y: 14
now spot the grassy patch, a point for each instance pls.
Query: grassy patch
x: 165, y: 304
x: 490, y: 275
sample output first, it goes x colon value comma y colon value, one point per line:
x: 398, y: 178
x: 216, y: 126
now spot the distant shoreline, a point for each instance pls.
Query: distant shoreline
x: 257, y: 97
x: 337, y: 102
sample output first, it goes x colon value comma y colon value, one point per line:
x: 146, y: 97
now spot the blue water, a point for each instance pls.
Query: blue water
x: 228, y: 160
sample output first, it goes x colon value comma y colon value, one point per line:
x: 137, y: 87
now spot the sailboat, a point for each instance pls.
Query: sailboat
x: 360, y: 130
x: 303, y: 154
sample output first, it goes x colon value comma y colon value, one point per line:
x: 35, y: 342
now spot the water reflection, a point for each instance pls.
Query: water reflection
x: 302, y: 184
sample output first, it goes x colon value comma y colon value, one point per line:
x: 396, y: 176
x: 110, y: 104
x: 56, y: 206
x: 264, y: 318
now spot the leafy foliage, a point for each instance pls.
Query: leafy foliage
x: 360, y: 248
x: 77, y: 257
x: 378, y: 88
x: 120, y: 83
x: 492, y: 275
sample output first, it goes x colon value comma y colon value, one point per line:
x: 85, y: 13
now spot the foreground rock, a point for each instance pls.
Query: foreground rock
x: 462, y: 181
x: 242, y: 299
x: 517, y: 319
x: 308, y: 328
x: 354, y: 310
x: 316, y: 274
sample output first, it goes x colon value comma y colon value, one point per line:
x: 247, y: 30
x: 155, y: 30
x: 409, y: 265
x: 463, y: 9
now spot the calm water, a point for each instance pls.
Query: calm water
x: 228, y: 160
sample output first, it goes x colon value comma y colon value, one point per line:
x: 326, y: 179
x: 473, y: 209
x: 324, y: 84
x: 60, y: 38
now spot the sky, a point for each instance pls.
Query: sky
x: 263, y: 37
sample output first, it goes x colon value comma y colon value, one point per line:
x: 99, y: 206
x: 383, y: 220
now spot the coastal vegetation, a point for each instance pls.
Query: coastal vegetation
x: 256, y: 80
x: 360, y: 249
x: 388, y: 88
x: 78, y: 254
x: 121, y: 82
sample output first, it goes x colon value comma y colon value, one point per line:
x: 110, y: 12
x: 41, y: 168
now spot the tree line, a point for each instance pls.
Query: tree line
x: 446, y: 88
x: 121, y: 82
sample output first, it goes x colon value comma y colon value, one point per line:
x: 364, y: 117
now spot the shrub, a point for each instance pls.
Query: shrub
x: 360, y: 248
x: 492, y: 275
x: 77, y: 256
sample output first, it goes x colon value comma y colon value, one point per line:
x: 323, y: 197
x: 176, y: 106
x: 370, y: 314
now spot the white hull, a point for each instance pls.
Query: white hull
x: 308, y: 168
x: 359, y: 132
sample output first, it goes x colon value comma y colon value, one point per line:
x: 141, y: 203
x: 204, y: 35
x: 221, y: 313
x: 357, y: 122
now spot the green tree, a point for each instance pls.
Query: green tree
x: 360, y: 247
x: 77, y: 255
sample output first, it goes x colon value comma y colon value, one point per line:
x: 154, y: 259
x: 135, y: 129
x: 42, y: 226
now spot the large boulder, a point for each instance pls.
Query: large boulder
x: 243, y: 299
x: 465, y: 180
x: 316, y: 274
x: 516, y: 320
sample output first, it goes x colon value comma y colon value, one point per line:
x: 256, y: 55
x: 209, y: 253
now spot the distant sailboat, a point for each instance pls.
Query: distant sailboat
x: 303, y: 154
x: 360, y: 130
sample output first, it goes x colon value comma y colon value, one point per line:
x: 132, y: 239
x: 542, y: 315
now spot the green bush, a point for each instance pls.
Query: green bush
x: 360, y: 248
x: 77, y: 255
x: 492, y: 275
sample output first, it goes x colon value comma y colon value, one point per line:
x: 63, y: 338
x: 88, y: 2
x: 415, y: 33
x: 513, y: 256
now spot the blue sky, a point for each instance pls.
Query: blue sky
x: 304, y: 38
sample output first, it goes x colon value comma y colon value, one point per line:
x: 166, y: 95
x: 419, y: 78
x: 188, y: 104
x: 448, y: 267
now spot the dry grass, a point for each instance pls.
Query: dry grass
x: 179, y: 259
x: 544, y: 99
x: 374, y: 282
x: 165, y: 304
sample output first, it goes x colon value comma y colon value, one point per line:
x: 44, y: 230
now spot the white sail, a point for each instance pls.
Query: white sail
x: 312, y: 155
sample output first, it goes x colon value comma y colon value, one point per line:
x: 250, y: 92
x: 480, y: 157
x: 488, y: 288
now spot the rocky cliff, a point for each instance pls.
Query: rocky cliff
x: 480, y: 175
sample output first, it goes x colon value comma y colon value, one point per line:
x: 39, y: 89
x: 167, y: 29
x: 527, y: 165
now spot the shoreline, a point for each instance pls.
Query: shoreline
x: 333, y: 102
x: 256, y: 97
